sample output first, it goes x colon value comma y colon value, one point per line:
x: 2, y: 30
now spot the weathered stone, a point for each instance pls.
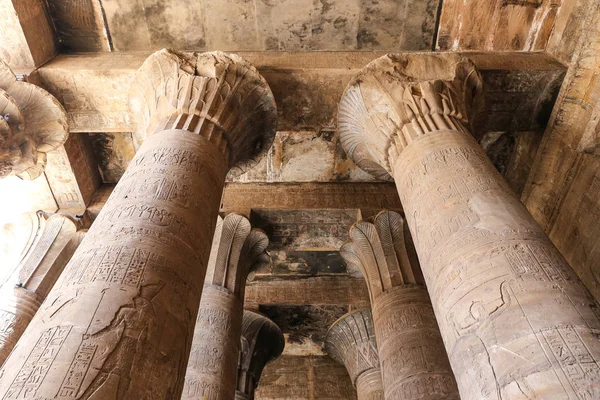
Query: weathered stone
x: 494, y: 25
x: 51, y: 246
x: 493, y: 275
x: 321, y: 290
x: 80, y: 25
x: 283, y: 25
x: 563, y: 188
x: 212, y: 368
x: 27, y: 34
x: 32, y: 124
x: 120, y: 321
x: 410, y: 347
x: 305, y: 378
x: 351, y: 341
x: 262, y: 342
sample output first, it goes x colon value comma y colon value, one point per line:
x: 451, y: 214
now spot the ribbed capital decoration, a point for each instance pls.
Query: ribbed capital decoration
x: 54, y: 240
x: 218, y: 96
x: 262, y: 341
x: 399, y: 97
x: 351, y: 342
x: 32, y: 123
x: 237, y: 249
x: 378, y: 249
x: 409, y: 345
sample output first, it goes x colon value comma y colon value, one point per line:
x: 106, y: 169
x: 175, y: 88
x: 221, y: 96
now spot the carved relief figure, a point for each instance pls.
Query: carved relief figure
x: 493, y: 275
x: 120, y: 321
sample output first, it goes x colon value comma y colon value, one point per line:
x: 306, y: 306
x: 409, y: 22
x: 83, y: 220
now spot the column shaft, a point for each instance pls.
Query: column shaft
x: 213, y: 364
x: 119, y: 323
x: 411, y: 352
x: 369, y: 385
x: 516, y: 320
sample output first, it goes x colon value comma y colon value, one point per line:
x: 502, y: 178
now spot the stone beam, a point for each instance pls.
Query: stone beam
x: 307, y: 87
x: 241, y: 197
x: 320, y: 290
x: 28, y: 38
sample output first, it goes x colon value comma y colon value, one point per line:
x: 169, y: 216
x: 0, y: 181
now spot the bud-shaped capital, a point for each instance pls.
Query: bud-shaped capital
x: 378, y: 249
x: 262, y: 341
x: 351, y: 342
x: 32, y: 123
x: 237, y: 250
x: 218, y: 96
x: 399, y: 97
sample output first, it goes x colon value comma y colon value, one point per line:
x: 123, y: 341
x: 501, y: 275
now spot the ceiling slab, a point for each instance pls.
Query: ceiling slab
x: 271, y: 25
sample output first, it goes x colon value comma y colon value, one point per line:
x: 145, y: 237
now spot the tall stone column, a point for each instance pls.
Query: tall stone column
x: 53, y: 243
x: 261, y: 341
x: 119, y: 323
x: 414, y: 364
x: 516, y: 321
x: 351, y: 341
x: 212, y: 367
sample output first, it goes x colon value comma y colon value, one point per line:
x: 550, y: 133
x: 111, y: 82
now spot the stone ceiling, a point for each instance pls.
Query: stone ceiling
x: 246, y: 25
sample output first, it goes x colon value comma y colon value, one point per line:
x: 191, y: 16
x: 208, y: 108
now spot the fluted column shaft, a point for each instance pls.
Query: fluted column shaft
x: 411, y: 352
x: 119, y: 323
x: 516, y: 319
x: 369, y: 385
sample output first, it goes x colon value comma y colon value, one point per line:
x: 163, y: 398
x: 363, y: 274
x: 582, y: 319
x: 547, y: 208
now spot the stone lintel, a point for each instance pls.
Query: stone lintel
x: 242, y: 197
x: 318, y: 80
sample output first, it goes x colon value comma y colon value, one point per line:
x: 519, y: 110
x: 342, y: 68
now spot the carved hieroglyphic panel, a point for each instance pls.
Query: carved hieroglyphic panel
x: 494, y: 278
x: 139, y: 270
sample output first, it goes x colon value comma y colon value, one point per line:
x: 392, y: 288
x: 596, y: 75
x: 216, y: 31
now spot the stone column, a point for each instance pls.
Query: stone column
x: 351, y: 341
x: 119, y: 322
x: 53, y: 243
x: 516, y: 321
x: 212, y: 367
x: 414, y: 364
x: 32, y: 123
x: 261, y: 342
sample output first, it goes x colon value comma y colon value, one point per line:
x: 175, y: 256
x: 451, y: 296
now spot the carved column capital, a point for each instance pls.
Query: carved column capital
x: 32, y: 123
x: 351, y: 341
x: 378, y: 249
x: 219, y: 96
x: 237, y: 249
x: 262, y: 341
x: 399, y: 97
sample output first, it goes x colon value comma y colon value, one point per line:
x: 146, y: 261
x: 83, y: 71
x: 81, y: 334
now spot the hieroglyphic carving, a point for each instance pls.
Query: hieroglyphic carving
x: 409, y: 343
x: 516, y: 320
x: 32, y: 123
x: 236, y: 249
x: 261, y: 342
x: 216, y: 95
x: 351, y: 341
x: 133, y: 288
